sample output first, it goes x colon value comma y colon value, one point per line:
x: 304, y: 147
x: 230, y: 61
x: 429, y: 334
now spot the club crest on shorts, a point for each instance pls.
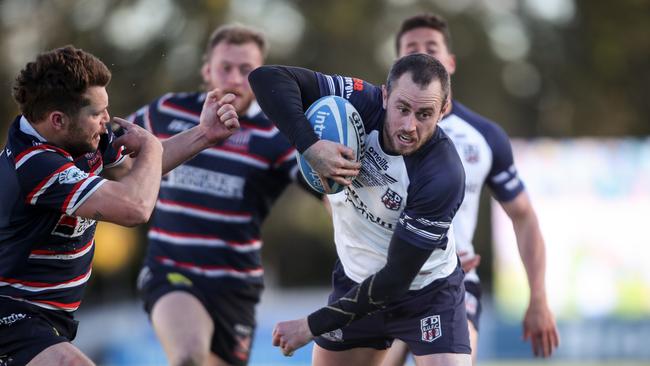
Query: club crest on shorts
x: 431, y: 328
x: 391, y: 200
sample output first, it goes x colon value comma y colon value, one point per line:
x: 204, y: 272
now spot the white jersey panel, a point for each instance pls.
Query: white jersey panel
x: 476, y: 155
x: 366, y: 214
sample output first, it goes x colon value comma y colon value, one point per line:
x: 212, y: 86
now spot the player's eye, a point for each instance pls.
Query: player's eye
x: 245, y: 70
x: 424, y: 115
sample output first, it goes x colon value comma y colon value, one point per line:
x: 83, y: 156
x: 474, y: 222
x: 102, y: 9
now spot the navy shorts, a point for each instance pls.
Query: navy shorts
x: 431, y: 320
x: 26, y: 330
x: 230, y: 302
x: 473, y: 302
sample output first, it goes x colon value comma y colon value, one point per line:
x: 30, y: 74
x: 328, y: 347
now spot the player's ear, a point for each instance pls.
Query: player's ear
x: 452, y: 64
x: 384, y: 96
x: 205, y: 73
x: 446, y: 108
x: 57, y: 120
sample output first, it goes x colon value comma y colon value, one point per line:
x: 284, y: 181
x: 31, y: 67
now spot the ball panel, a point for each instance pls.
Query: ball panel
x: 335, y: 119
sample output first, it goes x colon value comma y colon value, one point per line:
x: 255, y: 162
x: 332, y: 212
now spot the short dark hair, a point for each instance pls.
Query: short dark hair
x: 423, y: 68
x: 427, y: 20
x: 235, y: 34
x: 57, y: 80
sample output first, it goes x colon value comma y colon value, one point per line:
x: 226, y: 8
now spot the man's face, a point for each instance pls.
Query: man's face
x: 412, y: 114
x: 430, y: 42
x: 228, y: 68
x: 84, y: 130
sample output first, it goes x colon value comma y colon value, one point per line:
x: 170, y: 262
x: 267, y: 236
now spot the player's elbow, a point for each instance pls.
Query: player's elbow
x: 137, y: 214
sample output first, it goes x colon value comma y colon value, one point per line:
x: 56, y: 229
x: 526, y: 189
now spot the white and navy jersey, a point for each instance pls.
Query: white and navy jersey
x: 209, y: 212
x: 45, y: 250
x: 414, y: 197
x: 487, y: 158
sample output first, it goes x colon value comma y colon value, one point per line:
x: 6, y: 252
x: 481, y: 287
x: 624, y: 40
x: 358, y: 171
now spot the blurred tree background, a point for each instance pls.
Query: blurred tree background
x: 558, y: 68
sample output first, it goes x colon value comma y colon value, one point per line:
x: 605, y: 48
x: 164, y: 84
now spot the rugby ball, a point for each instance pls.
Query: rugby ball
x: 335, y: 119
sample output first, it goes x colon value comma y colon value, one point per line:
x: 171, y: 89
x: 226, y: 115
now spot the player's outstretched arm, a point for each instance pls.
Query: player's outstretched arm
x: 284, y: 93
x: 218, y: 121
x: 130, y: 200
x: 539, y: 323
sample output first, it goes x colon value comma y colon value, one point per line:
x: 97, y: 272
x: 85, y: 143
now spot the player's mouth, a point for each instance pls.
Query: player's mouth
x: 405, y: 139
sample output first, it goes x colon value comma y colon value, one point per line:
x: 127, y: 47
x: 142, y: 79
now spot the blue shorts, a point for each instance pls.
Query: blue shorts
x: 26, y: 330
x: 230, y: 302
x: 473, y: 302
x: 431, y: 320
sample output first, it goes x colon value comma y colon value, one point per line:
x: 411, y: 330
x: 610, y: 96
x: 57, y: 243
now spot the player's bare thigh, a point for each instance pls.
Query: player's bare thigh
x: 444, y: 359
x: 183, y: 326
x: 355, y: 356
x: 62, y: 354
x: 397, y: 354
x: 473, y: 340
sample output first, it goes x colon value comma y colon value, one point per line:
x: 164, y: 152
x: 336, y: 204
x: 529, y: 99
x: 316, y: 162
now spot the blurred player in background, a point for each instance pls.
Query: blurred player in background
x: 58, y: 152
x: 398, y: 274
x: 202, y: 276
x: 487, y: 158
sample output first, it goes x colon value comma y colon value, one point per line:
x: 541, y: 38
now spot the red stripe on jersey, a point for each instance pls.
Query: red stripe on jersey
x: 284, y: 157
x: 256, y: 127
x: 171, y: 105
x: 48, y: 252
x: 42, y: 147
x: 237, y: 152
x: 201, y: 236
x: 42, y: 183
x: 205, y: 209
x: 61, y: 305
x: 73, y: 191
x: 42, y: 284
x: 192, y: 265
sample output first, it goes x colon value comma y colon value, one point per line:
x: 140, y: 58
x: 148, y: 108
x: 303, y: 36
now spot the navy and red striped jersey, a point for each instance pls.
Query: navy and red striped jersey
x: 45, y: 250
x: 210, y: 209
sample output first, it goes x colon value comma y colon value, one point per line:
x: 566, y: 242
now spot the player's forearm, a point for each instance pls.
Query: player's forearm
x: 182, y: 147
x: 533, y: 253
x: 387, y: 285
x: 143, y: 182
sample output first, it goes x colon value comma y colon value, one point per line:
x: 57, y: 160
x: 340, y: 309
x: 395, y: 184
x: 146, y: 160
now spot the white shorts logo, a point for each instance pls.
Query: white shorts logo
x: 12, y: 318
x: 431, y: 328
x: 334, y: 336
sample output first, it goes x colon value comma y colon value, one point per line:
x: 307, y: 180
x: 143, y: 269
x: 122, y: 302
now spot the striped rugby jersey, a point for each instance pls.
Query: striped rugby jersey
x: 45, y: 250
x: 487, y: 158
x: 414, y: 197
x: 210, y: 209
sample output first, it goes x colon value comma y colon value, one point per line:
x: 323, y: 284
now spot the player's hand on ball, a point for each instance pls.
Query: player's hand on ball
x: 218, y: 118
x: 332, y: 160
x: 291, y: 335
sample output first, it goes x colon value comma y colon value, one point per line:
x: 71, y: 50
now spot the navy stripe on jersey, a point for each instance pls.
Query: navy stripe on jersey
x: 503, y: 179
x: 363, y: 95
x: 45, y: 251
x: 209, y: 212
x: 436, y: 190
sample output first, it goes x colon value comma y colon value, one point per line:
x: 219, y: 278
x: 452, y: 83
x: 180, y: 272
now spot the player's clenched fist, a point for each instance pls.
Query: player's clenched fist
x: 218, y: 117
x: 291, y: 335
